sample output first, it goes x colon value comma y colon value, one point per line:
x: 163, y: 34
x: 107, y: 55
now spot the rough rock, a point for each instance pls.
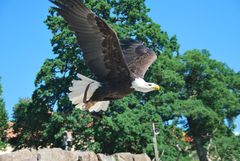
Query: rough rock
x: 141, y: 157
x: 21, y: 155
x: 102, y: 157
x: 87, y: 156
x: 124, y: 156
x: 57, y: 154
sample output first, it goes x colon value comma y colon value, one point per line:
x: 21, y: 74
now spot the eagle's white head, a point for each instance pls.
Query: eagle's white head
x: 141, y: 85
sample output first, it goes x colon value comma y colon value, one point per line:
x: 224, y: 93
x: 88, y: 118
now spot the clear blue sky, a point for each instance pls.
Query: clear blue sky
x: 24, y: 38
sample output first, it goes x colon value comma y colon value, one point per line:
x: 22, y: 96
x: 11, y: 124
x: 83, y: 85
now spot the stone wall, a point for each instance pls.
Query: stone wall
x: 57, y: 154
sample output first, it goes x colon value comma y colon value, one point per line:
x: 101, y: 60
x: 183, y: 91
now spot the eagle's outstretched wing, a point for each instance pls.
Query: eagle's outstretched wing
x: 101, y: 48
x: 137, y: 56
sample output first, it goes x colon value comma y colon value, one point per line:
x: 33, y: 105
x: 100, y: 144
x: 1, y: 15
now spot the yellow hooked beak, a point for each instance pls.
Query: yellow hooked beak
x: 156, y: 87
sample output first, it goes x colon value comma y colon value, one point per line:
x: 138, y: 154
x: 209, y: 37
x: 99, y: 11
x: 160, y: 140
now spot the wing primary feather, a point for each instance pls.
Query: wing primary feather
x: 74, y: 9
x: 95, y: 37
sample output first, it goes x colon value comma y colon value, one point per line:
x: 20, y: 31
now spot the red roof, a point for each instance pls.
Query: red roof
x: 10, y: 131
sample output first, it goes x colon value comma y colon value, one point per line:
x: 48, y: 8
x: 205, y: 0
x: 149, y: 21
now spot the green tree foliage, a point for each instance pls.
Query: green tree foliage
x: 3, y: 120
x: 127, y: 126
x: 208, y: 96
x: 226, y: 148
x: 80, y: 123
x: 24, y: 125
x: 201, y: 90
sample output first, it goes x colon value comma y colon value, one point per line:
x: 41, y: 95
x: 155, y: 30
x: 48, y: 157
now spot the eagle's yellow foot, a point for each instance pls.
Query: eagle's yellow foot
x: 89, y: 104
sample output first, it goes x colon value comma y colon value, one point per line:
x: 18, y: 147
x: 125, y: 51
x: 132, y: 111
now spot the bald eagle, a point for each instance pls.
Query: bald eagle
x: 119, y: 66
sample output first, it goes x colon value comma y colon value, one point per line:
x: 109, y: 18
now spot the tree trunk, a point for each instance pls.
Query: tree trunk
x: 201, y: 151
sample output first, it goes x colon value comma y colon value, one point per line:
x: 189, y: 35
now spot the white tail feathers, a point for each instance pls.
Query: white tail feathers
x: 103, y: 105
x: 78, y: 91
